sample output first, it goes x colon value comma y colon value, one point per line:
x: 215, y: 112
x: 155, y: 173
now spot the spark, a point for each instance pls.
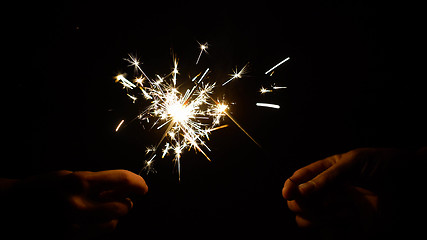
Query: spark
x: 165, y: 150
x: 203, y: 48
x: 237, y: 124
x: 236, y: 74
x: 204, y: 74
x: 174, y: 71
x: 134, y: 61
x: 280, y: 63
x: 126, y: 83
x: 139, y: 80
x: 277, y: 88
x: 149, y: 165
x: 132, y: 97
x: 263, y: 90
x: 268, y: 105
x: 120, y: 124
x: 241, y: 128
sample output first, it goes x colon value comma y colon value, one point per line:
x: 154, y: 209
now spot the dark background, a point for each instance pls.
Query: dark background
x: 353, y: 81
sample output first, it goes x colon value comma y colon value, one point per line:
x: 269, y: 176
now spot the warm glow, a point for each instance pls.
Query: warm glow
x: 221, y: 108
x: 179, y: 112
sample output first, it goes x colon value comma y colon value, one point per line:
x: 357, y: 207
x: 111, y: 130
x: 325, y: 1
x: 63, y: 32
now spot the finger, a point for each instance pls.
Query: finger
x: 121, y: 181
x: 307, y: 206
x: 310, y: 171
x: 103, y: 212
x: 303, y: 222
x: 290, y: 189
x: 330, y: 176
x: 294, y: 206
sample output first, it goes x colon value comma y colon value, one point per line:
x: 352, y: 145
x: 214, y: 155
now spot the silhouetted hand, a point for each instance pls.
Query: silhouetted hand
x: 72, y: 203
x: 341, y: 191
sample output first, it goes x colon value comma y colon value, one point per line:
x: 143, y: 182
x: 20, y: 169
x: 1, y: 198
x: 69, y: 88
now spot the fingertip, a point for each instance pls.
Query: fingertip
x: 289, y: 190
x: 140, y: 183
x: 134, y: 182
x: 144, y: 186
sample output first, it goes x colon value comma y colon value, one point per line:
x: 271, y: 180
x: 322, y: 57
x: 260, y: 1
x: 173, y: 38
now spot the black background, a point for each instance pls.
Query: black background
x: 353, y: 81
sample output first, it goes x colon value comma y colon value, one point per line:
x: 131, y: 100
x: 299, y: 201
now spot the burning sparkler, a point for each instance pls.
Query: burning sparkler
x: 187, y: 116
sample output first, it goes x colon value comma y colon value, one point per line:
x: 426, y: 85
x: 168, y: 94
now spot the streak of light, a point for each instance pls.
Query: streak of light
x: 280, y: 63
x: 269, y: 105
x: 120, y: 124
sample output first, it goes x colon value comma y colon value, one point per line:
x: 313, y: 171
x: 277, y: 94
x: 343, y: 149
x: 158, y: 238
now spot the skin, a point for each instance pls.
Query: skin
x: 77, y: 204
x: 343, y: 193
x: 327, y: 194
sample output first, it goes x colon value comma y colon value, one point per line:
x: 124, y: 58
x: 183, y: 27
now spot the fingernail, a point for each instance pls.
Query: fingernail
x: 306, y: 188
x: 129, y: 202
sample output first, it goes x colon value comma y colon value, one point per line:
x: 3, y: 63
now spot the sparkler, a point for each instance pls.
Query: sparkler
x: 187, y: 116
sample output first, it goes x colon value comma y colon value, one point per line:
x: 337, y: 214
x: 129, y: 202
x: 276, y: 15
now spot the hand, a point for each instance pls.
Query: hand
x: 83, y: 203
x: 327, y: 193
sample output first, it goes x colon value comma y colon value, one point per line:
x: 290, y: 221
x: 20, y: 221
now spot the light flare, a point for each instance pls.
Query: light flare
x: 203, y: 48
x: 237, y: 74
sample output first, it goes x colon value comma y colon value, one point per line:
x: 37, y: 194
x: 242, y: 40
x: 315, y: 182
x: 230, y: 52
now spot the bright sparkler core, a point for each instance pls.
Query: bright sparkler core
x: 221, y: 108
x: 187, y: 117
x: 179, y: 112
